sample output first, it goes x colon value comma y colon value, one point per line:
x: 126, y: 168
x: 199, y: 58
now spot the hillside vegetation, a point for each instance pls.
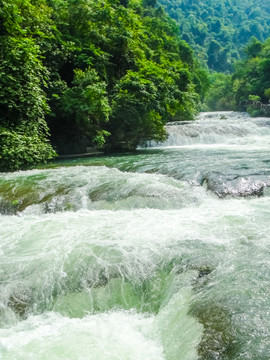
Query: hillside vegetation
x: 248, y: 88
x: 218, y: 31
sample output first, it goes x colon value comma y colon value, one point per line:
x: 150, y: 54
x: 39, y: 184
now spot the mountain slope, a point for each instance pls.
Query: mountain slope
x: 219, y: 30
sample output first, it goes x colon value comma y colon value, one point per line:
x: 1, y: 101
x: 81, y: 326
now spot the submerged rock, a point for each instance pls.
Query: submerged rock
x: 219, y: 338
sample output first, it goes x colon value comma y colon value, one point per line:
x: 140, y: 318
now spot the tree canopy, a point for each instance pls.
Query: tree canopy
x: 248, y: 88
x: 23, y: 76
x: 103, y: 72
x: 218, y: 31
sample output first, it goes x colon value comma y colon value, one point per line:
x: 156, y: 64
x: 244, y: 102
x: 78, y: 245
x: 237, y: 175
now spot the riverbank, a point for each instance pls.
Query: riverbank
x: 255, y: 108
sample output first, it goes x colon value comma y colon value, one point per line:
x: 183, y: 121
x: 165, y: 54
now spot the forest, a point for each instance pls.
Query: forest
x: 218, y: 31
x: 110, y: 74
x: 248, y: 87
x: 90, y: 73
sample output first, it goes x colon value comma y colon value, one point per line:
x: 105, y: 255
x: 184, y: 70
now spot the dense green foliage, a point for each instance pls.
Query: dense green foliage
x: 23, y: 129
x: 220, y: 95
x: 92, y: 73
x: 249, y: 86
x: 126, y: 74
x: 111, y: 73
x: 252, y: 74
x: 219, y: 30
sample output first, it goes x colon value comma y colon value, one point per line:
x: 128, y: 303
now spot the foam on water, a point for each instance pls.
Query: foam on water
x: 221, y: 129
x: 158, y: 255
x: 115, y: 335
x: 91, y: 188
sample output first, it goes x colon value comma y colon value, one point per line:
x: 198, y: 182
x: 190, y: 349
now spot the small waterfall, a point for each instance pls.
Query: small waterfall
x: 214, y: 128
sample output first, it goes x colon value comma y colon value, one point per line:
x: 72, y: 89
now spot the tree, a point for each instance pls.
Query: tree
x: 22, y: 80
x: 220, y: 95
x: 253, y: 48
x: 85, y: 107
x: 127, y: 49
x: 267, y: 93
x: 145, y: 100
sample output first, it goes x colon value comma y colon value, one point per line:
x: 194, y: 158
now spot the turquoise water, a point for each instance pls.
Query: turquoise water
x: 161, y: 254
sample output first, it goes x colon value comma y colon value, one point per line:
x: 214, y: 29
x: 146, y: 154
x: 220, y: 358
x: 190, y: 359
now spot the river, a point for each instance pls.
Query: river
x: 159, y: 255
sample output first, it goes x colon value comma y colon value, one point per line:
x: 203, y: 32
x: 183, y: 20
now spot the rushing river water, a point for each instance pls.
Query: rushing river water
x: 159, y: 255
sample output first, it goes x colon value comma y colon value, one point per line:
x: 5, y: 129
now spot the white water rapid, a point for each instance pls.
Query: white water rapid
x: 159, y: 255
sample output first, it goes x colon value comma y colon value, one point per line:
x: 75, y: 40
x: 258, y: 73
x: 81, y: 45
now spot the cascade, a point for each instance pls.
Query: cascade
x: 215, y: 128
x: 161, y: 254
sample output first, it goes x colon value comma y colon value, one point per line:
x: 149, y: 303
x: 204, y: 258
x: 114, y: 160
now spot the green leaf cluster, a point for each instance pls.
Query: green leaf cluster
x: 23, y: 76
x: 19, y: 149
